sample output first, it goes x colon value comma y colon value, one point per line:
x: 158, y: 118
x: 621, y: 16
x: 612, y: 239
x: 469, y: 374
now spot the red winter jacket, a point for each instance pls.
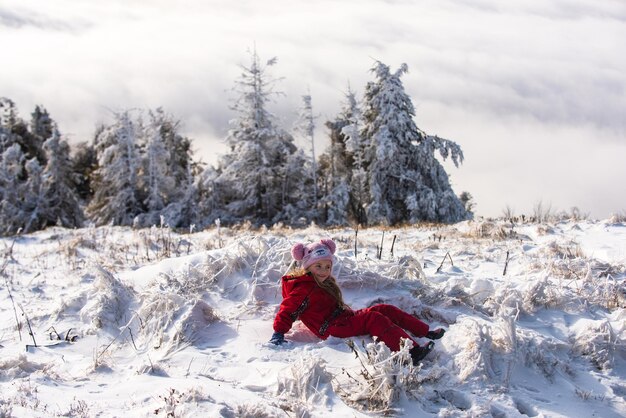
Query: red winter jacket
x: 303, y: 299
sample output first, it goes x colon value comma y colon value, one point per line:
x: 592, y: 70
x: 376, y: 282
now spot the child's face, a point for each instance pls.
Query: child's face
x: 321, y: 269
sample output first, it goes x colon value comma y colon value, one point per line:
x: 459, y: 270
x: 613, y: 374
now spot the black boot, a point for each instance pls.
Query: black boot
x: 418, y: 353
x: 435, y: 334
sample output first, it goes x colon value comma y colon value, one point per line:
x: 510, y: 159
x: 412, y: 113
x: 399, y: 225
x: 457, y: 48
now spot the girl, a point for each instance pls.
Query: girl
x: 311, y: 294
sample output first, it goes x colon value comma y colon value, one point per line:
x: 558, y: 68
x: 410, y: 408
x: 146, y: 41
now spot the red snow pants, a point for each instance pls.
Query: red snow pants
x: 386, y: 322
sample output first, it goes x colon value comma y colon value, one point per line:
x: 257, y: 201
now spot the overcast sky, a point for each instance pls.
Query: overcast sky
x: 534, y: 91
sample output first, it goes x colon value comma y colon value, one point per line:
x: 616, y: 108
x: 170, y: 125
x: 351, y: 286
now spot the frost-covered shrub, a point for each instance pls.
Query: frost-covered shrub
x: 26, y: 397
x: 487, y: 352
x: 542, y: 294
x: 157, y: 312
x: 617, y: 218
x: 257, y: 410
x: 305, y: 386
x: 306, y: 381
x: 505, y: 298
x: 563, y: 250
x: 169, y: 320
x: 547, y: 355
x: 194, y: 322
x: 20, y: 366
x: 596, y: 340
x: 177, y: 402
x: 108, y: 301
x: 191, y: 280
x: 384, y: 378
x: 78, y: 408
x: 493, y: 230
x: 543, y: 229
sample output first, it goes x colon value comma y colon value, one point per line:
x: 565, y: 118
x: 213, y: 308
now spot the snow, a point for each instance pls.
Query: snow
x: 151, y: 322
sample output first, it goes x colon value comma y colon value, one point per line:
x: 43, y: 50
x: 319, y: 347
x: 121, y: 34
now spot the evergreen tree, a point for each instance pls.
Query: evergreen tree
x: 298, y: 196
x: 306, y: 126
x: 155, y: 182
x: 210, y: 204
x: 62, y: 205
x: 115, y: 182
x: 41, y: 124
x: 185, y: 211
x: 41, y: 190
x: 180, y: 164
x: 171, y: 172
x: 7, y: 120
x: 252, y: 176
x: 356, y: 148
x: 11, y: 167
x: 84, y: 163
x: 406, y: 182
x: 468, y: 202
x: 8, y: 114
x: 17, y: 131
x: 338, y: 167
x: 34, y: 206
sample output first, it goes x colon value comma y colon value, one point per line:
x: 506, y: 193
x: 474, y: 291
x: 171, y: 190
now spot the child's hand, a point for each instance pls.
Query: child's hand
x: 278, y: 338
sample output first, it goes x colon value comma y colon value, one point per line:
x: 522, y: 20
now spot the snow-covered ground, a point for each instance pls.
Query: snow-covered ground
x: 138, y: 323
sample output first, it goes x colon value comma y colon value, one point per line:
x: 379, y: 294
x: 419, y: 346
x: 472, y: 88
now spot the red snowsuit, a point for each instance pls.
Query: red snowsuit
x: 303, y: 299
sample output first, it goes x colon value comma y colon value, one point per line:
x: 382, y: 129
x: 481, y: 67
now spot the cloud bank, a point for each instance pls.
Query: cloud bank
x: 532, y: 90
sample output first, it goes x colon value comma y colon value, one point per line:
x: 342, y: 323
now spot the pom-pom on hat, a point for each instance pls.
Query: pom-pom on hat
x: 317, y: 251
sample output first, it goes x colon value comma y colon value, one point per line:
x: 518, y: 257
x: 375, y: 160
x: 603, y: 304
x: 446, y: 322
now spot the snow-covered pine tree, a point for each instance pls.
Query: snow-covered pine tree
x: 209, y: 200
x: 341, y: 168
x: 251, y: 177
x: 468, y: 202
x: 11, y: 163
x: 298, y: 207
x: 41, y: 124
x: 8, y: 114
x: 155, y: 182
x: 84, y: 162
x: 185, y: 211
x: 62, y: 204
x: 34, y: 207
x: 7, y: 120
x: 180, y: 164
x: 334, y: 172
x: 11, y: 168
x: 178, y: 186
x: 306, y: 126
x: 116, y: 197
x: 356, y: 149
x: 34, y: 197
x: 18, y: 130
x: 406, y: 182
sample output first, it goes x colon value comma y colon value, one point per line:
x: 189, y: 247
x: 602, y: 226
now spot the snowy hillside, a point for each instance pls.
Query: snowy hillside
x: 139, y: 323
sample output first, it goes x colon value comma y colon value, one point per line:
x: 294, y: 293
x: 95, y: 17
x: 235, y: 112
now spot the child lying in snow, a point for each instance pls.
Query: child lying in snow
x: 311, y: 294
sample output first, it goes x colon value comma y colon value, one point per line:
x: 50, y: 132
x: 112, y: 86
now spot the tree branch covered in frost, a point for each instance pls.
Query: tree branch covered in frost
x: 445, y: 147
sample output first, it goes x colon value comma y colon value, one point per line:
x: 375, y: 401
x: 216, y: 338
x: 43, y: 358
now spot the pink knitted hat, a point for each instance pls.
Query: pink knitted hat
x: 317, y: 251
